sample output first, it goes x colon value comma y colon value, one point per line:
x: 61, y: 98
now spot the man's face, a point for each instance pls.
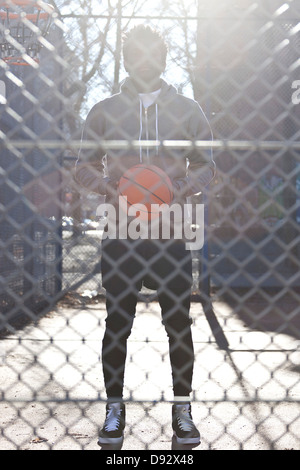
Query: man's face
x: 145, y: 64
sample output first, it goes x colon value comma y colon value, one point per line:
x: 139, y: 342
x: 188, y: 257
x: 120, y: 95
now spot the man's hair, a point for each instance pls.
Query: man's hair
x: 144, y: 35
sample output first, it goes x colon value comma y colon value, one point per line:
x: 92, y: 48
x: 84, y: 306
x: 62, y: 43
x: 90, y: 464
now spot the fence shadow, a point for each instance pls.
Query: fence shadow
x: 267, y: 309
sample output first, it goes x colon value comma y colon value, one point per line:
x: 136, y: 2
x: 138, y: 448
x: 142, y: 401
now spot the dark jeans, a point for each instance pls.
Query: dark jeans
x: 162, y: 265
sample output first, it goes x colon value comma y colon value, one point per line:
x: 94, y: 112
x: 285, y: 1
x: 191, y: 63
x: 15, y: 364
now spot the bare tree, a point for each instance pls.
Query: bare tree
x: 92, y: 45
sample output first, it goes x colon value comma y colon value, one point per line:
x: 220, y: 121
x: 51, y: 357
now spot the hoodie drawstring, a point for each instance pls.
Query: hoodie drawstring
x: 156, y: 127
x: 141, y: 130
x: 147, y: 130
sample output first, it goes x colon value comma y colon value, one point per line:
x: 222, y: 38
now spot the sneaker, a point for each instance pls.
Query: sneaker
x: 183, y: 426
x: 112, y: 431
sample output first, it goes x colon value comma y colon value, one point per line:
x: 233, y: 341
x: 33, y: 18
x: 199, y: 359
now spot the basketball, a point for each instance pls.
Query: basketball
x: 148, y: 185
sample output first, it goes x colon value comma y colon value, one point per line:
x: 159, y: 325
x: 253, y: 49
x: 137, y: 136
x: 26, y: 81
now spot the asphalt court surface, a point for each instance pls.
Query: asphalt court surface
x: 244, y: 398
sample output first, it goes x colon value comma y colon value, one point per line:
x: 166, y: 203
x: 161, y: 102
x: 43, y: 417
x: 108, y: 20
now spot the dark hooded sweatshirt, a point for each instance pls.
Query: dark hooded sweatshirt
x: 173, y: 120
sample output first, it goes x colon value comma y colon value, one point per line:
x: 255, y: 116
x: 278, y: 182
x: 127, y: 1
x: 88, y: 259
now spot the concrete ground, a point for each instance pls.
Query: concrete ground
x: 53, y: 394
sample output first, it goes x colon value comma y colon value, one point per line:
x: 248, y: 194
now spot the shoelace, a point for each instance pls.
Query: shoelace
x: 112, y: 421
x: 184, y: 419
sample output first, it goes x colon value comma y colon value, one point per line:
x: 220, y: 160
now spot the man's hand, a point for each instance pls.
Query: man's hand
x: 111, y: 187
x: 180, y: 189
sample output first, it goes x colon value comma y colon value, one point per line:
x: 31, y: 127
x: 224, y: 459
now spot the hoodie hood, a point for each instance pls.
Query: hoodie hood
x: 128, y: 87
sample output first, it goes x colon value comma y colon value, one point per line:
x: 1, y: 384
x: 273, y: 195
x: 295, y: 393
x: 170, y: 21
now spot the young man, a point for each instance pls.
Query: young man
x: 147, y: 108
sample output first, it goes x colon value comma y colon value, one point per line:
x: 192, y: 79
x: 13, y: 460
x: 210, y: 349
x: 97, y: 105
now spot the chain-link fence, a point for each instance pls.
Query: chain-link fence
x: 240, y: 62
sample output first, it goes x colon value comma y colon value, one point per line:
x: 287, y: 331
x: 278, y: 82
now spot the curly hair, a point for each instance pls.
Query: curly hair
x: 144, y: 34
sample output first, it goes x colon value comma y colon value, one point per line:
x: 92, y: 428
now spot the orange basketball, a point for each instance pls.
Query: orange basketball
x: 148, y: 185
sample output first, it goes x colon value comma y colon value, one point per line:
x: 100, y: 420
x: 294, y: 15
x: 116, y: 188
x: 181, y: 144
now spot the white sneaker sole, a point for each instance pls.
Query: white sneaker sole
x: 110, y: 440
x: 187, y: 440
